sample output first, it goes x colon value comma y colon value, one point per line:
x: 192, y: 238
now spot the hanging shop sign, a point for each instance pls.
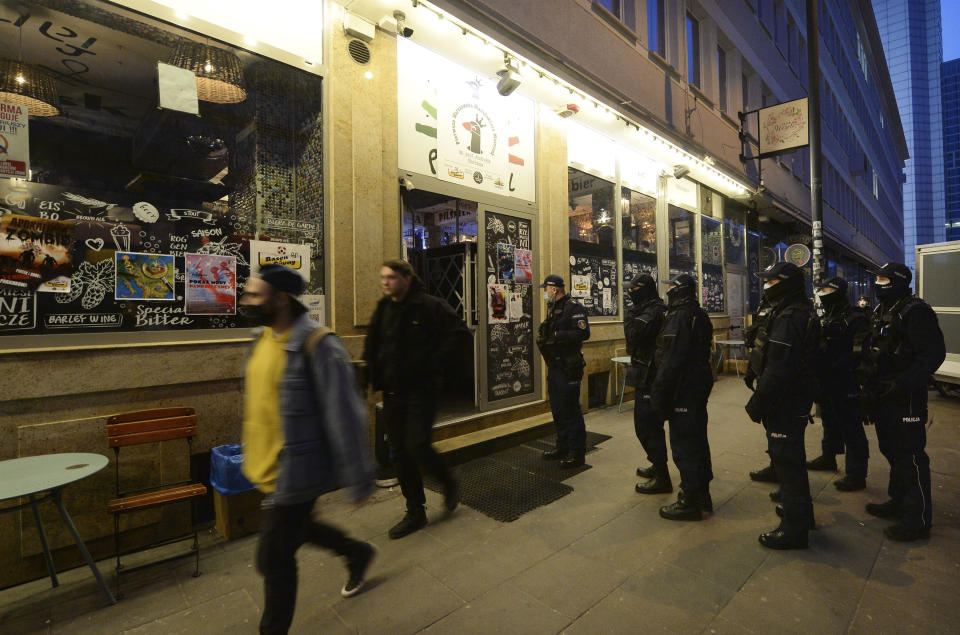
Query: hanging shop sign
x: 454, y: 125
x: 783, y: 127
x: 14, y: 141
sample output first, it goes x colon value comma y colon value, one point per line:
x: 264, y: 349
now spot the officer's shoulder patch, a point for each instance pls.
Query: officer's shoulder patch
x: 582, y: 324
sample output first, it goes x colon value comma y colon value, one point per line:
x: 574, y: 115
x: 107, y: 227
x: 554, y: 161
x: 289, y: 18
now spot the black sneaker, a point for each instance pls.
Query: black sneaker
x: 886, y: 510
x: 823, y: 463
x: 765, y: 475
x: 850, y: 484
x: 410, y: 523
x: 902, y: 533
x: 357, y: 565
x: 451, y: 495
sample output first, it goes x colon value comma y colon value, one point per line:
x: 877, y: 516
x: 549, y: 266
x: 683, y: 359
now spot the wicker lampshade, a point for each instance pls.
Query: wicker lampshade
x: 219, y: 77
x: 26, y: 85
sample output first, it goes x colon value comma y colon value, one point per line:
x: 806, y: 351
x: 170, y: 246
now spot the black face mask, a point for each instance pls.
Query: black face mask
x: 832, y: 300
x: 678, y: 294
x: 779, y: 290
x: 890, y: 291
x: 257, y: 314
x: 641, y: 295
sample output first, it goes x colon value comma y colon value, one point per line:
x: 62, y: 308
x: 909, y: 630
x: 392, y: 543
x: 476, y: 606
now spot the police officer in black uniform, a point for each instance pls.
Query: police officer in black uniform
x: 560, y: 339
x: 679, y: 394
x: 905, y: 346
x: 641, y: 327
x: 765, y: 474
x: 783, y: 365
x: 842, y: 329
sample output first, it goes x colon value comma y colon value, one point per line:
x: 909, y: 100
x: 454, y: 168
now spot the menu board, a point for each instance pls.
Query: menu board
x: 137, y: 263
x: 510, y: 296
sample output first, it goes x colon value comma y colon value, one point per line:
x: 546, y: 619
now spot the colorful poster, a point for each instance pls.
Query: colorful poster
x: 144, y: 276
x: 497, y: 303
x: 14, y: 141
x: 505, y: 262
x: 211, y: 285
x: 33, y: 251
x: 522, y: 266
x: 292, y: 255
x: 580, y: 286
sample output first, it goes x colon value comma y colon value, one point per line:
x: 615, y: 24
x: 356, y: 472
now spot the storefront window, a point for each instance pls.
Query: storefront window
x: 734, y: 217
x: 753, y: 268
x: 174, y: 164
x: 639, y: 230
x: 682, y: 257
x: 593, y: 251
x: 712, y: 265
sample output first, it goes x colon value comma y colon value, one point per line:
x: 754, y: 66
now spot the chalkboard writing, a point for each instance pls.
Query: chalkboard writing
x: 594, y: 279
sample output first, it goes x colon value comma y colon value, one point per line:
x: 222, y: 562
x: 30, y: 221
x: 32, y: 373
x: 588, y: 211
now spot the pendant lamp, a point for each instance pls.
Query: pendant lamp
x: 26, y: 85
x: 219, y: 76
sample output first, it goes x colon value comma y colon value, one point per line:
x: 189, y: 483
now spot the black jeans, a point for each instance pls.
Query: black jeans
x: 649, y: 427
x: 564, y: 393
x: 410, y: 417
x: 843, y: 431
x: 282, y: 530
x: 785, y: 430
x: 902, y: 436
x: 691, y: 449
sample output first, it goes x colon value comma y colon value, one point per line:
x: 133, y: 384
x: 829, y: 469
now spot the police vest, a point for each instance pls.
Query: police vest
x: 889, y: 352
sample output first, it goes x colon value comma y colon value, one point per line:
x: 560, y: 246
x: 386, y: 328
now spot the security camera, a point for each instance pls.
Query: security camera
x: 407, y: 184
x: 402, y: 28
x: 680, y: 171
x: 509, y: 77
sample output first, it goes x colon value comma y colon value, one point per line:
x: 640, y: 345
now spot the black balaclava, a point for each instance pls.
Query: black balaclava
x: 642, y: 288
x: 899, y: 277
x: 683, y: 287
x: 838, y: 297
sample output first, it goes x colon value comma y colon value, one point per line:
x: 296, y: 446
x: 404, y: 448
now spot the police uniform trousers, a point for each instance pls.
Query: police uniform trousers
x: 688, y: 440
x: 649, y: 427
x: 785, y: 430
x: 563, y: 390
x: 843, y: 431
x: 410, y: 415
x: 902, y: 436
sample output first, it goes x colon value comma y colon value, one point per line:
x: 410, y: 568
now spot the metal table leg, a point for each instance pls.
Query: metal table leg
x: 43, y: 541
x: 58, y: 499
x: 623, y: 388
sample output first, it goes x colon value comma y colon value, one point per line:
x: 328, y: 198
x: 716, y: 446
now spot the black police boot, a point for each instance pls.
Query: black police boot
x: 554, y: 455
x: 451, y: 495
x: 813, y: 522
x: 572, y: 461
x: 850, y: 484
x: 413, y: 520
x: 659, y: 484
x: 775, y: 496
x: 886, y: 510
x: 823, y: 463
x: 902, y: 533
x: 779, y: 539
x: 765, y: 475
x: 646, y: 472
x: 687, y: 507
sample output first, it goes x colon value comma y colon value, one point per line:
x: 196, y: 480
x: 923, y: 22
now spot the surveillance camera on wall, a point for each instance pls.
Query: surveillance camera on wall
x: 680, y: 171
x: 510, y: 78
x: 407, y: 184
x: 402, y: 28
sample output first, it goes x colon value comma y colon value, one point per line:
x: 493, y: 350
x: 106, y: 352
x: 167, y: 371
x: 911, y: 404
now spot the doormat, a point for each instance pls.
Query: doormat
x: 507, y: 484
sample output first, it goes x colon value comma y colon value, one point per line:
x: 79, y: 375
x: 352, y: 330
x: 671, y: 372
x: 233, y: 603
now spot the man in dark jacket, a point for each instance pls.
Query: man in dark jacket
x: 783, y: 365
x: 679, y: 394
x: 304, y: 431
x: 560, y: 338
x: 842, y: 329
x: 905, y: 346
x: 412, y: 338
x: 643, y: 322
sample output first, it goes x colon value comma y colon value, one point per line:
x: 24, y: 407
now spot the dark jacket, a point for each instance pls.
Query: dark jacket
x: 785, y: 358
x: 324, y: 421
x: 905, y: 346
x: 640, y: 329
x: 562, y: 334
x: 842, y: 330
x: 427, y: 336
x: 682, y: 357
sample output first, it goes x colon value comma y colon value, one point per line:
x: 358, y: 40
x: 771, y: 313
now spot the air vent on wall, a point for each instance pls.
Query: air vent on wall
x: 359, y: 51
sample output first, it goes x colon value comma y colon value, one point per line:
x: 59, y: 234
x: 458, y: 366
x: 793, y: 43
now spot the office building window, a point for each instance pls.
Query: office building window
x: 745, y: 88
x: 656, y: 30
x: 693, y: 50
x: 621, y: 9
x: 722, y: 78
x: 876, y: 186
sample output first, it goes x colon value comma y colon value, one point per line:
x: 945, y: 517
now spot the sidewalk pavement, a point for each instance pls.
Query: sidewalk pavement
x: 599, y: 560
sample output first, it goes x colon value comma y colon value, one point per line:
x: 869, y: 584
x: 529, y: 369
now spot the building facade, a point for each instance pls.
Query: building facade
x: 950, y: 91
x: 911, y: 34
x: 488, y: 142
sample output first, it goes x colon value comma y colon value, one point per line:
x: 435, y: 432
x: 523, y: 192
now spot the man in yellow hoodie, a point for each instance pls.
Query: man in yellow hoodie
x: 304, y: 433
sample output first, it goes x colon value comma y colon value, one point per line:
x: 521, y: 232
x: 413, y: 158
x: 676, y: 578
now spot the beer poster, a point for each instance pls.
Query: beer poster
x: 144, y: 276
x: 33, y: 251
x: 211, y: 285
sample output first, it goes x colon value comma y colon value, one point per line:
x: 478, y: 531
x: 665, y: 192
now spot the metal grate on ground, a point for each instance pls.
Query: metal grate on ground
x: 507, y: 484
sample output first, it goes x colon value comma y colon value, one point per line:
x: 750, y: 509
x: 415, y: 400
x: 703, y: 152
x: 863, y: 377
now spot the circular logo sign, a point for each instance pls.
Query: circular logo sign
x: 798, y: 254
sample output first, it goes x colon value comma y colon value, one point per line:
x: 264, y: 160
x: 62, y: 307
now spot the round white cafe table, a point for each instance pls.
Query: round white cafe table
x: 623, y: 380
x: 32, y: 476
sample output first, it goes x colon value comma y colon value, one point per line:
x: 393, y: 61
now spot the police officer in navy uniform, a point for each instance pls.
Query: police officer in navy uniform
x: 679, y: 394
x: 783, y: 367
x: 842, y: 330
x: 905, y: 346
x: 765, y: 474
x: 641, y: 327
x: 560, y: 339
